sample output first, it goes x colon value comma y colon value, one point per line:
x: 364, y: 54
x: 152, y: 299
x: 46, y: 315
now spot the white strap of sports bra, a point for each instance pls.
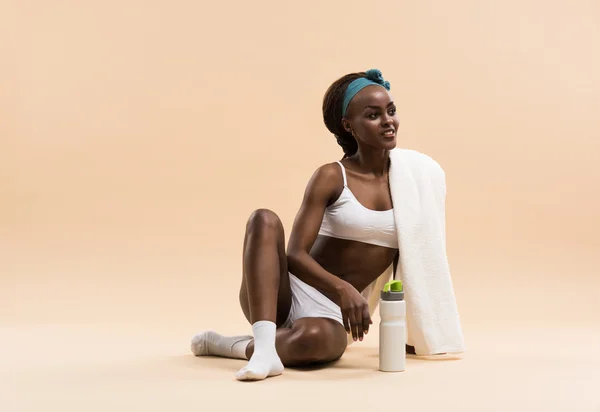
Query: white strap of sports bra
x: 343, y: 172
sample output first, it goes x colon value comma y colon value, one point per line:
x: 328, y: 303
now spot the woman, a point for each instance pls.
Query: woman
x: 303, y: 303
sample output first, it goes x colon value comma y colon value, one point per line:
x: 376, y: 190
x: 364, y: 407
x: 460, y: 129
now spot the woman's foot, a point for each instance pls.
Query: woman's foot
x: 260, y: 366
x: 264, y: 361
x: 209, y: 343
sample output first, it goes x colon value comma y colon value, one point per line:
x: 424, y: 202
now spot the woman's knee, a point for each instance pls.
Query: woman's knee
x: 263, y: 219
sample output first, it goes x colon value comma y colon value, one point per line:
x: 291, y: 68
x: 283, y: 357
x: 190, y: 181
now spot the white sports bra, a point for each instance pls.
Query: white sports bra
x: 348, y: 219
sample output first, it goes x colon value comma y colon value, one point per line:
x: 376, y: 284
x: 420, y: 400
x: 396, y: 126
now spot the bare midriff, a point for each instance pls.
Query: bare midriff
x: 355, y: 262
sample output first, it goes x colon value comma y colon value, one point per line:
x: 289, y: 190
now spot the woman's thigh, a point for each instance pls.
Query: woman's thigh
x: 317, y: 340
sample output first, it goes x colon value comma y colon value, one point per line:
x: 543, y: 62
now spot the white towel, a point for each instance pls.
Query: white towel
x: 418, y: 190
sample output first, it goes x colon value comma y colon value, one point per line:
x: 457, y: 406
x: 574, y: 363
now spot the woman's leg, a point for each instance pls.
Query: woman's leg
x: 265, y: 293
x: 310, y: 341
x: 265, y: 298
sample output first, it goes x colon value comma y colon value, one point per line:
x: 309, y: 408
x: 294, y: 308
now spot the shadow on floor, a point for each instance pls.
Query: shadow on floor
x: 373, y: 352
x: 356, y: 363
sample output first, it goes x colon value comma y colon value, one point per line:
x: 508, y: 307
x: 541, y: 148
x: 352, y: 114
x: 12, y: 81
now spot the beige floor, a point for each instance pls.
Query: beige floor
x: 94, y: 338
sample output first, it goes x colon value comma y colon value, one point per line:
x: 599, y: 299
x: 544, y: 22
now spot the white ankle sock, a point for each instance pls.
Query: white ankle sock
x: 212, y: 343
x: 238, y: 350
x: 264, y: 361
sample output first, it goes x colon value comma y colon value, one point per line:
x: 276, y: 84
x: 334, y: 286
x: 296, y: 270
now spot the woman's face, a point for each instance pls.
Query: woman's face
x: 372, y: 118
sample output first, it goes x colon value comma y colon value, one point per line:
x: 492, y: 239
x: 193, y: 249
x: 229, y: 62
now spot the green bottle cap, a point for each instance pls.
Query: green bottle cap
x: 394, y: 286
x: 393, y: 290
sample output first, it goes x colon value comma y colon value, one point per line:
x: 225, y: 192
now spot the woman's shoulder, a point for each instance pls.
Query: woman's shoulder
x: 329, y: 170
x: 327, y: 179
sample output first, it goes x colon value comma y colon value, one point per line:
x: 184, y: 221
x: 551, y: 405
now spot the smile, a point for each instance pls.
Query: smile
x: 389, y: 133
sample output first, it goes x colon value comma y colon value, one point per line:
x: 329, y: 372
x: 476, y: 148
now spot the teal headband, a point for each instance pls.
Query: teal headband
x: 372, y: 76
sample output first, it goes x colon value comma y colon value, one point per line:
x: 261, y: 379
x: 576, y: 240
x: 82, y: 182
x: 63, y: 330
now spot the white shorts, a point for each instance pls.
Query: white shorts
x: 308, y: 302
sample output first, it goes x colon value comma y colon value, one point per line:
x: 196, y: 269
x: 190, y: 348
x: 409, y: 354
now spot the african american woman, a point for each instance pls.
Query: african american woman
x: 302, y: 303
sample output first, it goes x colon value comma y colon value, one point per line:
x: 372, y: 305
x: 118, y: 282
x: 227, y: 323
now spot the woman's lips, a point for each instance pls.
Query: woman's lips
x: 389, y: 134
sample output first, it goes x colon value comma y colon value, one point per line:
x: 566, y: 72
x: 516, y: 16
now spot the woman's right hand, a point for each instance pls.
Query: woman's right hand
x: 355, y: 311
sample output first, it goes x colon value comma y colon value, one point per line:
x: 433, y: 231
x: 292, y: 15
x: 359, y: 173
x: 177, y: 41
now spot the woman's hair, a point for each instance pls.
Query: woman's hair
x: 332, y: 112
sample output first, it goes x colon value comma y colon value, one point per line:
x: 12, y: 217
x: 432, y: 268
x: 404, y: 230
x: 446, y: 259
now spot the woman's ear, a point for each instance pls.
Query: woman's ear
x: 347, y: 126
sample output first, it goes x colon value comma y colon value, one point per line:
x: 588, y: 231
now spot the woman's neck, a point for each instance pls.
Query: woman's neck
x: 372, y: 161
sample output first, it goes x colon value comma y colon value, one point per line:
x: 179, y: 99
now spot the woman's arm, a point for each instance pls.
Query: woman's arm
x: 321, y: 188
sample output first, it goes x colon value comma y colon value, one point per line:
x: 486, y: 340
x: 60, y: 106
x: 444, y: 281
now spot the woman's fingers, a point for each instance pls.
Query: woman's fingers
x: 356, y: 321
x: 366, y: 318
x: 359, y: 323
x: 345, y: 320
x: 352, y: 320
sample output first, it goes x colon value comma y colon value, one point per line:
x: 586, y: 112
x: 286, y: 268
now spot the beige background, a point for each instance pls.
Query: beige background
x: 136, y: 138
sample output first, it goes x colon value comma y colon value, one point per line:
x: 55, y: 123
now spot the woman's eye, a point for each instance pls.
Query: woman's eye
x: 372, y: 116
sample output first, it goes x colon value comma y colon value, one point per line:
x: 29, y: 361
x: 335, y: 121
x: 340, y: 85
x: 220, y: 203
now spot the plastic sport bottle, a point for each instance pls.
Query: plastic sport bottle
x: 392, y: 328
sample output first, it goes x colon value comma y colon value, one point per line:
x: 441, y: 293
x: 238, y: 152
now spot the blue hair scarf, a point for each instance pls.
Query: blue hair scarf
x: 372, y: 76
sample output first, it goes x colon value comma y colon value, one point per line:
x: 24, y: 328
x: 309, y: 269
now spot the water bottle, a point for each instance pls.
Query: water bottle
x: 392, y: 328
